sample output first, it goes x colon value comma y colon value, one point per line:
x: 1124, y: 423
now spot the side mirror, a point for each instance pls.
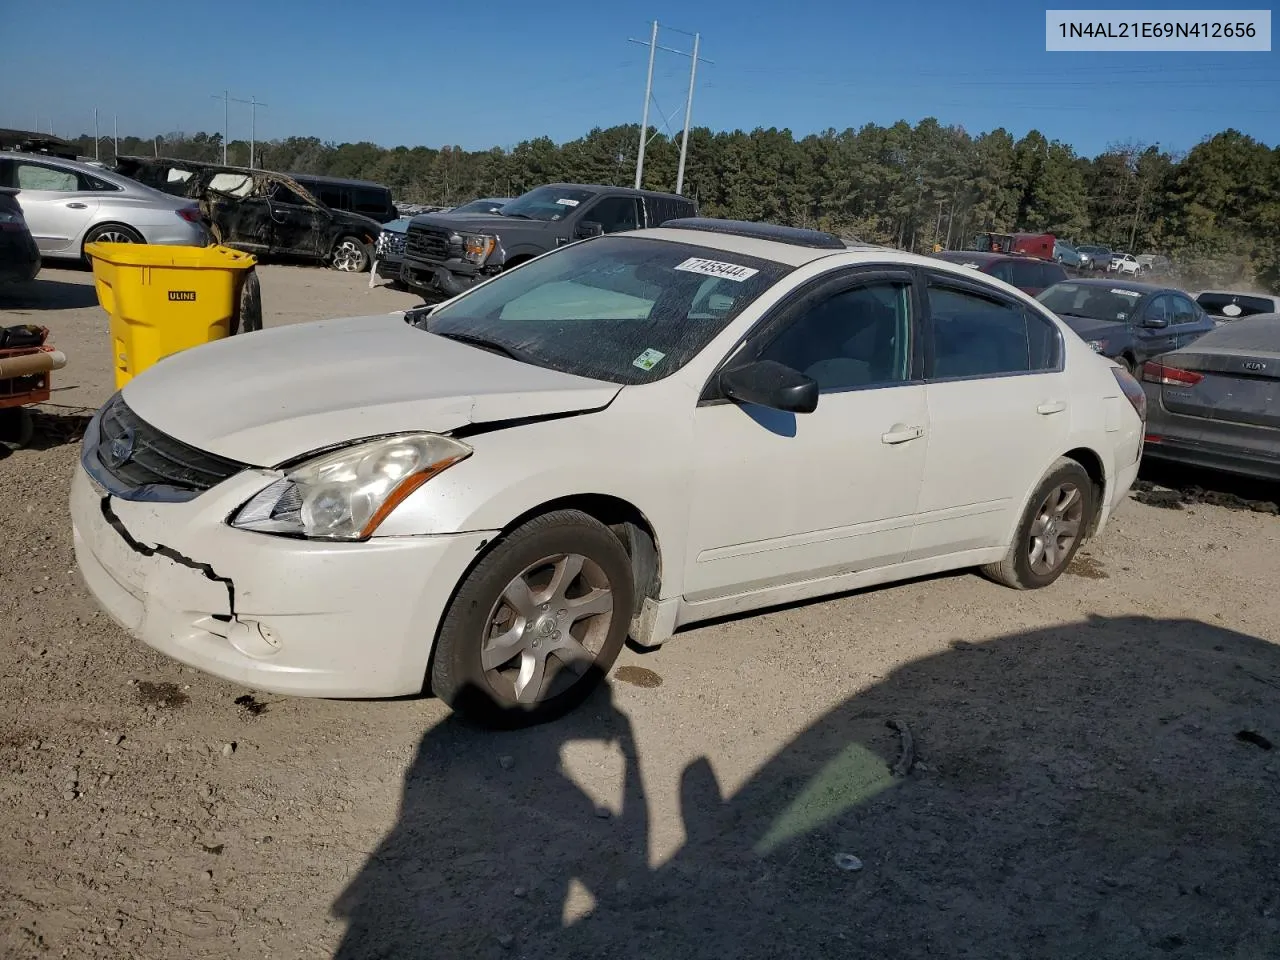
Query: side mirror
x: 588, y: 229
x: 768, y: 383
x: 1155, y: 323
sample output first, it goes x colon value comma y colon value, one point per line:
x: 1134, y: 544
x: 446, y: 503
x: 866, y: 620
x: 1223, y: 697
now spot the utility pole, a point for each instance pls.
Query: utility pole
x: 648, y: 93
x: 95, y: 134
x: 254, y: 104
x: 115, y: 132
x: 226, y: 121
x: 688, y: 113
x: 652, y: 44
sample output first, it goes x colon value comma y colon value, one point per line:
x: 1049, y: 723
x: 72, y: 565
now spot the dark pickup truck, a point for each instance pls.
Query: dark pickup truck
x: 448, y: 253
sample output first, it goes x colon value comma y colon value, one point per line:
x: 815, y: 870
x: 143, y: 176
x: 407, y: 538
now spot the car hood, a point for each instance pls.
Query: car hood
x: 474, y: 222
x: 1090, y: 329
x: 266, y: 397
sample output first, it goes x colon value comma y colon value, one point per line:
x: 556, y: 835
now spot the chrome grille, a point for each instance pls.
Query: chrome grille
x: 138, y: 455
x: 390, y: 244
x: 425, y: 243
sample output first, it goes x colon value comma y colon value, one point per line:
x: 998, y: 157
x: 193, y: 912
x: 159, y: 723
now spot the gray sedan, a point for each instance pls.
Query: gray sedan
x: 68, y: 204
x: 1216, y: 402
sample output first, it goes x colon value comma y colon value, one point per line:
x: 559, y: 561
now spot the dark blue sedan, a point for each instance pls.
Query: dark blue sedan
x: 1128, y: 322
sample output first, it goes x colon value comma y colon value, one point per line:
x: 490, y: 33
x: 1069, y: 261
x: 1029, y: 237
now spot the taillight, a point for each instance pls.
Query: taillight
x: 1155, y: 372
x: 190, y: 214
x: 1132, y: 389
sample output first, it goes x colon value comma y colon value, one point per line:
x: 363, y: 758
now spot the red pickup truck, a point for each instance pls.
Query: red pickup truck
x: 1038, y: 245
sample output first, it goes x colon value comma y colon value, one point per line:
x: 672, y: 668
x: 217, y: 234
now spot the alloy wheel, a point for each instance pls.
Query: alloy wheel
x: 1055, y: 528
x: 349, y: 257
x: 547, y: 628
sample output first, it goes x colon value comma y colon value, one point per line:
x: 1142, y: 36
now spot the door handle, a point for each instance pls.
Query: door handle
x: 77, y: 206
x: 901, y: 434
x: 1051, y: 407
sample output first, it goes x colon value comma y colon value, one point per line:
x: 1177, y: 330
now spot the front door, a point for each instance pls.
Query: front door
x: 1154, y: 332
x: 781, y: 497
x: 999, y: 414
x: 57, y: 204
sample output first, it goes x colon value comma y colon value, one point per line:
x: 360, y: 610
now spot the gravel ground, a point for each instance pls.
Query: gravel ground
x: 1093, y: 770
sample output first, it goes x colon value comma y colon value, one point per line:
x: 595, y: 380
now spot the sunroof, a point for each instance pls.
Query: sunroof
x: 796, y: 236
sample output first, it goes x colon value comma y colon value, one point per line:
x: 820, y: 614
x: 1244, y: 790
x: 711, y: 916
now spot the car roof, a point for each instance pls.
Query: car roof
x: 623, y: 191
x: 793, y: 254
x: 52, y: 161
x: 341, y: 181
x: 1116, y: 282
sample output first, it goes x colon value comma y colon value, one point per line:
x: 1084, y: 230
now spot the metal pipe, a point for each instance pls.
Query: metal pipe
x: 27, y: 364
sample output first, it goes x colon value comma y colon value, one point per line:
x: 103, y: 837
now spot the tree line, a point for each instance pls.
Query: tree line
x: 1215, y: 210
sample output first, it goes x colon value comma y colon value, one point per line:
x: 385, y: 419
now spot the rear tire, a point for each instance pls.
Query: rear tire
x: 499, y: 666
x: 248, y: 315
x: 1051, y: 530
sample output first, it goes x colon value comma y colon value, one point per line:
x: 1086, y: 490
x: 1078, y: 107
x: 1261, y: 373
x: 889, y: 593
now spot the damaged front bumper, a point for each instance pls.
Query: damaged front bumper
x: 274, y: 614
x: 451, y: 277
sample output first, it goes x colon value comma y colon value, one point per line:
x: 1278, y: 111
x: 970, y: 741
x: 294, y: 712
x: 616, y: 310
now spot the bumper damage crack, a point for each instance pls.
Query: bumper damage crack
x: 168, y: 553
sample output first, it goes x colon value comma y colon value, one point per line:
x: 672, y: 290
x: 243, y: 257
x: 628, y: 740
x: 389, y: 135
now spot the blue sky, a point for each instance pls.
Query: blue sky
x: 478, y: 75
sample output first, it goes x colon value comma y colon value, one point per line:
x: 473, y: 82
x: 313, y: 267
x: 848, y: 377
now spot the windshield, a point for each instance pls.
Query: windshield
x: 623, y: 309
x: 478, y: 206
x: 546, y: 203
x: 1091, y: 300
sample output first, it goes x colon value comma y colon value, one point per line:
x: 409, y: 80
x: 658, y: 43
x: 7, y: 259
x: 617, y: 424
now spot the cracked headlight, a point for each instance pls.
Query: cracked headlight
x: 345, y: 494
x: 476, y: 248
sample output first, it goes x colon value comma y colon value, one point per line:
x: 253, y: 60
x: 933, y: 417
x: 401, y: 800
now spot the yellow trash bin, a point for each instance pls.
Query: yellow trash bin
x: 165, y: 299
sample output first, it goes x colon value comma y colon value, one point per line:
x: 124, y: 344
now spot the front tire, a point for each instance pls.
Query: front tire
x: 351, y: 255
x: 537, y: 623
x: 1052, y: 528
x: 110, y: 233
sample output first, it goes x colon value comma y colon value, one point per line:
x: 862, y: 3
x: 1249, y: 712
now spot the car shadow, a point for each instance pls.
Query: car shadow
x: 45, y: 293
x: 1185, y: 486
x: 45, y: 428
x: 1098, y: 789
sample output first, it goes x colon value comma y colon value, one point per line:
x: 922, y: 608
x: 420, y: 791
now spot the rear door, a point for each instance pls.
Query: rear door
x: 999, y: 413
x: 296, y: 224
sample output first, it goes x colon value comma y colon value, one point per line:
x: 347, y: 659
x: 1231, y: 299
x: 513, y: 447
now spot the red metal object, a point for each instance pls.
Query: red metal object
x: 22, y: 391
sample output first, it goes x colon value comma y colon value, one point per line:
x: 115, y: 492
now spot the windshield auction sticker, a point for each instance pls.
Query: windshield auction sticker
x: 1155, y: 31
x: 717, y: 268
x: 648, y: 360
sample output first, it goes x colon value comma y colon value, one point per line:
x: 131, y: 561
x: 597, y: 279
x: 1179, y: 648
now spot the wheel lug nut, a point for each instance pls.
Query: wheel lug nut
x: 556, y: 635
x: 562, y: 613
x: 546, y: 606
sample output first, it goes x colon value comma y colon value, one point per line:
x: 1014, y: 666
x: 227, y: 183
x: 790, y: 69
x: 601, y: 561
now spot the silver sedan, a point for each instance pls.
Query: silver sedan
x: 68, y: 204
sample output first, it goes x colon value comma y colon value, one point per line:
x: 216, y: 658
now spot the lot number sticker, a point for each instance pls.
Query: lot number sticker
x: 566, y: 202
x: 648, y: 360
x: 716, y: 268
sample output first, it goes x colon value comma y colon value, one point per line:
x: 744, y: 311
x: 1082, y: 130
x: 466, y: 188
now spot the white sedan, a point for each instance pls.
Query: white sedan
x: 624, y: 436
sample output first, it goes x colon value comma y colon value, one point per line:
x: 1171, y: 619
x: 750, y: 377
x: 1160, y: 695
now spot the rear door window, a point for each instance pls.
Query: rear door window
x: 976, y: 334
